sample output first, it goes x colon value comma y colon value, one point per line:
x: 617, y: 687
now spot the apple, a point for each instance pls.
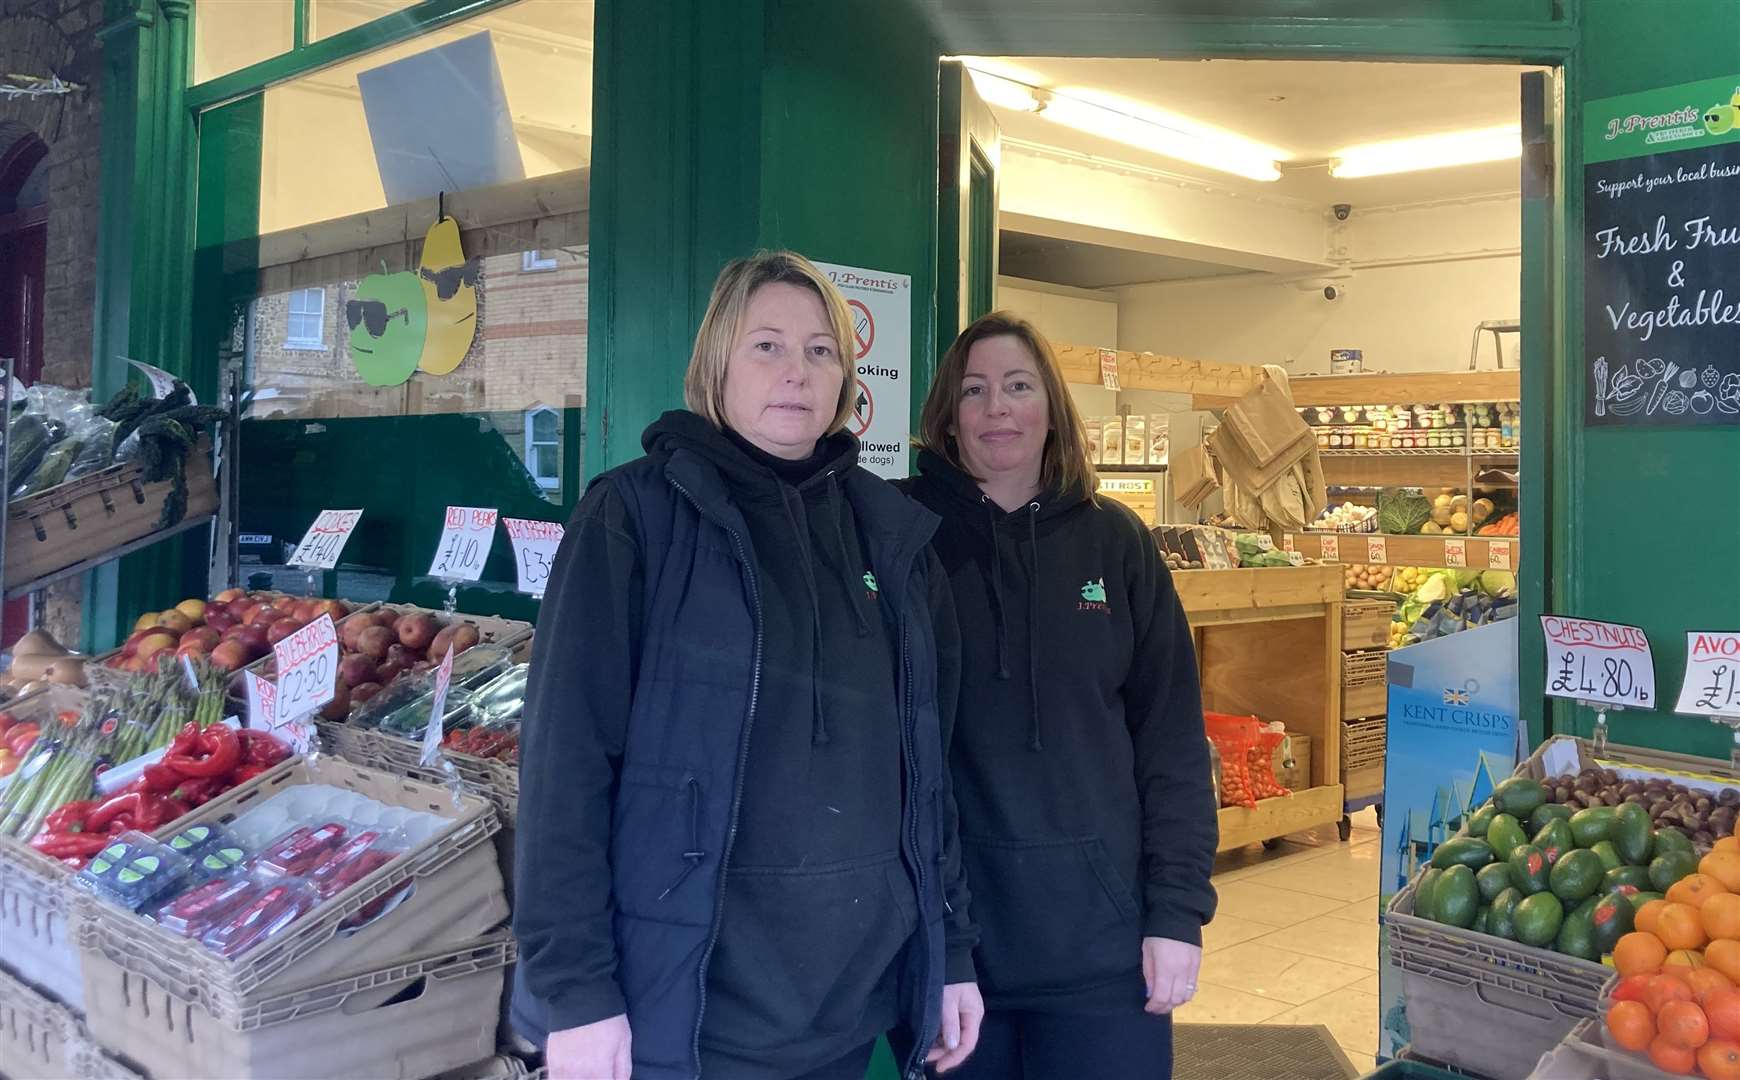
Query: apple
x: 266, y: 615
x: 253, y: 638
x: 364, y: 691
x: 218, y: 619
x: 154, y: 642
x: 228, y: 596
x: 356, y: 669
x: 281, y: 629
x: 231, y: 656
x: 338, y: 609
x: 193, y: 609
x: 146, y: 621
x: 374, y: 642
x: 176, y: 621
x: 416, y: 631
x: 339, y: 707
x: 389, y: 671
x: 203, y: 635
x: 193, y: 649
x: 352, y: 630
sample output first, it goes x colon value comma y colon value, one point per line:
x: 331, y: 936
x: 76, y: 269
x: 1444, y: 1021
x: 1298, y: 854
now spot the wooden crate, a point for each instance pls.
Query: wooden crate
x: 1298, y: 777
x: 1364, y: 782
x: 72, y: 522
x: 1278, y: 817
x: 1363, y: 702
x: 1363, y: 743
x: 1365, y: 624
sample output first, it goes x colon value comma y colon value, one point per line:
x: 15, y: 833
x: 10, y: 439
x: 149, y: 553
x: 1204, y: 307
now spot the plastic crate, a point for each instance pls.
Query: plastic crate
x: 497, y: 781
x: 457, y: 895
x: 416, y: 1016
x: 38, y: 1036
x: 1524, y: 1000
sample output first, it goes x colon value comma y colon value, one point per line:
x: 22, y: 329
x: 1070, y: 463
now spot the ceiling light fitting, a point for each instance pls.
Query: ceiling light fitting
x: 1428, y: 152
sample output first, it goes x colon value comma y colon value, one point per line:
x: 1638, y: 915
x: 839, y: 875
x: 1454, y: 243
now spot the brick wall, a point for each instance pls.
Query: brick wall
x: 44, y: 37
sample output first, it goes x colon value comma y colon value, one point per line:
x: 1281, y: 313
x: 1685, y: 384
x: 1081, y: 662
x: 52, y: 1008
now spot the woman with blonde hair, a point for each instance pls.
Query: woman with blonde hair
x: 736, y: 852
x: 1087, y: 822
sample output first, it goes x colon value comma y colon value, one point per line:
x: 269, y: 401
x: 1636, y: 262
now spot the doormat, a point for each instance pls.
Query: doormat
x: 1257, y: 1052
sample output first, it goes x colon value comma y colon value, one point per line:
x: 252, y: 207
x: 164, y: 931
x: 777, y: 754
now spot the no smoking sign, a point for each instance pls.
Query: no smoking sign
x: 863, y: 327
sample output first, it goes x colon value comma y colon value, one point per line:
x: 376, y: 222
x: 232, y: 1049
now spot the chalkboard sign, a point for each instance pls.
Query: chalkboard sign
x: 1662, y: 255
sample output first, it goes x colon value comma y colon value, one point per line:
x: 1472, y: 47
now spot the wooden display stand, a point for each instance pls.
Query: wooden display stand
x: 1268, y: 643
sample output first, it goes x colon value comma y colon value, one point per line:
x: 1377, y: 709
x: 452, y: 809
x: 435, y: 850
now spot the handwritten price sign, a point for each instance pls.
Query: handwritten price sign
x: 1599, y: 662
x: 433, y: 734
x: 325, y: 539
x: 1456, y: 554
x: 1498, y: 556
x: 263, y: 715
x: 535, y: 544
x: 307, y: 669
x: 1331, y: 546
x: 1712, y: 683
x: 466, y: 538
x: 1377, y: 550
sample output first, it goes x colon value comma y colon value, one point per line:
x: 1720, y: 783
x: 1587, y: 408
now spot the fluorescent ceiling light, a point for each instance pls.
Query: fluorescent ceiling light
x: 1003, y: 93
x: 1428, y: 152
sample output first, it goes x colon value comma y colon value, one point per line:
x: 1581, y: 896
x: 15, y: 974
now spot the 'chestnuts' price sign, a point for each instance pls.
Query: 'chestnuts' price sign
x: 307, y: 669
x: 325, y: 539
x: 535, y: 544
x: 466, y: 538
x: 1712, y: 683
x: 1599, y: 662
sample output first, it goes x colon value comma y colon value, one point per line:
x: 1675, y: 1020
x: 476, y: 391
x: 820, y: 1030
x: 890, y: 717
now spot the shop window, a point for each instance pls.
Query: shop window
x: 229, y: 35
x: 305, y: 323
x: 329, y: 17
x: 536, y: 260
x: 544, y: 447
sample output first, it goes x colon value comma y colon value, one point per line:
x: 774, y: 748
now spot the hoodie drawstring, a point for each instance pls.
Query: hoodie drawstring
x: 1035, y: 743
x: 997, y: 592
x: 819, y: 730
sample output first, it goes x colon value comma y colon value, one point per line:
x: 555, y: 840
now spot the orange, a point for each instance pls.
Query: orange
x: 1727, y: 843
x: 1706, y: 980
x: 1638, y: 953
x: 1719, y: 1059
x: 1724, y: 866
x: 1683, y: 1024
x: 1723, y: 1009
x: 1670, y: 1058
x: 1721, y: 915
x: 1683, y: 962
x: 1647, y: 915
x: 1679, y: 927
x: 1694, y: 889
x: 1724, y: 956
x: 1630, y: 988
x: 1631, y: 1025
x: 1664, y: 990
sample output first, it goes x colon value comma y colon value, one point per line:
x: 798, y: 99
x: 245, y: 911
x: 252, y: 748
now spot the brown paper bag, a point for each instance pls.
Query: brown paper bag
x: 1266, y: 425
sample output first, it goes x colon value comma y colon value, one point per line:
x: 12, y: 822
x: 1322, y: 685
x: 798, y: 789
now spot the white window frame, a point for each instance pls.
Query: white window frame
x: 305, y: 343
x: 548, y: 483
x: 533, y: 262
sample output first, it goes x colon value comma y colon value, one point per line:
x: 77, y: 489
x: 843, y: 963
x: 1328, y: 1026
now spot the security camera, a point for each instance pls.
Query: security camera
x: 1343, y: 211
x: 1333, y: 293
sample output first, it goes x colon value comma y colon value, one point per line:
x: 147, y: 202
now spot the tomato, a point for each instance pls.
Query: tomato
x: 6, y: 722
x: 8, y: 762
x: 19, y: 737
x: 69, y: 718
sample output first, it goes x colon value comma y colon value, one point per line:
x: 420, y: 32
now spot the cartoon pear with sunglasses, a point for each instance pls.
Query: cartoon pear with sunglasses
x: 387, y: 319
x: 450, y: 295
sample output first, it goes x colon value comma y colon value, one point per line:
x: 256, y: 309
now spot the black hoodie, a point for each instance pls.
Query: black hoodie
x: 1081, y: 770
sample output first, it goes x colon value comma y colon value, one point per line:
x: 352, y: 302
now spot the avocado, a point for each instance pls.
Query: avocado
x: 1477, y: 825
x: 1613, y: 918
x: 1668, y: 868
x: 1590, y: 827
x: 1608, y: 854
x: 1631, y: 834
x: 1576, y: 936
x: 1480, y: 920
x: 1501, y: 920
x: 1493, y: 878
x: 1538, y: 918
x: 1668, y: 838
x: 1528, y: 870
x: 1426, y: 892
x: 1457, y: 898
x: 1576, y: 875
x: 1545, y: 813
x: 1505, y: 835
x: 1519, y: 796
x: 1469, y: 851
x: 1554, y: 840
x: 1635, y: 876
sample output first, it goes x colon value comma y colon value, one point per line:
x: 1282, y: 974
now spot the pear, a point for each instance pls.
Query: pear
x: 453, y: 321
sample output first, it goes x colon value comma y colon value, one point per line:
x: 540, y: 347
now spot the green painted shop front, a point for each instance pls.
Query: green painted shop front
x: 721, y: 128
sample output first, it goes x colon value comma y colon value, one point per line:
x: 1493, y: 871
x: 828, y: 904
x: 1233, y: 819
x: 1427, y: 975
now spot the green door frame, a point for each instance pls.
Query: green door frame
x: 1552, y: 206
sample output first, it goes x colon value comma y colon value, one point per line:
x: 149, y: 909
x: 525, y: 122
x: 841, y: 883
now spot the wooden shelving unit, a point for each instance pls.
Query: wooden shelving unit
x: 1268, y: 643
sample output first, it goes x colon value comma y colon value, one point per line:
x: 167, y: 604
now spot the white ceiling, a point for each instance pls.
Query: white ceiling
x: 1095, y: 266
x: 1311, y: 109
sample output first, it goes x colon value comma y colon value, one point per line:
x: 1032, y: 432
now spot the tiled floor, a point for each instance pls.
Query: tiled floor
x: 1296, y: 938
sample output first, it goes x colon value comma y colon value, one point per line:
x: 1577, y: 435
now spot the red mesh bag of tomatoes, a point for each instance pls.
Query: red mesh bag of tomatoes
x: 1264, y: 784
x: 1235, y: 737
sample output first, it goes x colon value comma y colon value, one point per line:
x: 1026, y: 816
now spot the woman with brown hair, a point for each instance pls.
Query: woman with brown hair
x: 735, y: 852
x: 1081, y: 771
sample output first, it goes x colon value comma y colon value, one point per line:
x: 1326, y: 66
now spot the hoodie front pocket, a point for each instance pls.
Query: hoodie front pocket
x: 1054, y: 915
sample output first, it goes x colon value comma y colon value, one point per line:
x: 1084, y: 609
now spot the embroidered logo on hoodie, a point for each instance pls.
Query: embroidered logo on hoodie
x: 1093, y: 597
x: 870, y: 584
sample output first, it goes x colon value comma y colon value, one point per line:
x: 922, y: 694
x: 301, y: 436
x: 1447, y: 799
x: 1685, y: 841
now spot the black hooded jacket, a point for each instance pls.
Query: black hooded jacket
x: 1080, y: 766
x: 734, y: 817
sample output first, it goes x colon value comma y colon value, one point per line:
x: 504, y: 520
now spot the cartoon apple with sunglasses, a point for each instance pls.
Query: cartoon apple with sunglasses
x: 388, y: 319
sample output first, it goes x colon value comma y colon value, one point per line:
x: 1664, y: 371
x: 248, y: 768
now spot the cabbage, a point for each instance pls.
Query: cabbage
x: 1498, y: 583
x: 1401, y: 511
x: 1467, y: 579
x: 1440, y: 586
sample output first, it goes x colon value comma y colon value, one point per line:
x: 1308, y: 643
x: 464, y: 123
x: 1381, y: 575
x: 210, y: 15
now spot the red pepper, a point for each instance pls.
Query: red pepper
x: 198, y: 790
x: 262, y: 747
x: 20, y: 736
x: 154, y: 810
x: 127, y: 802
x: 222, y: 748
x: 186, y: 741
x: 69, y: 818
x: 70, y: 845
x: 247, y: 772
x: 158, y: 777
